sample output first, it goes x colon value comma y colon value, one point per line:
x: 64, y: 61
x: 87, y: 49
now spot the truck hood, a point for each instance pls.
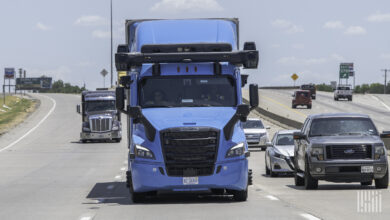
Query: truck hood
x: 351, y: 139
x: 101, y: 113
x: 162, y: 118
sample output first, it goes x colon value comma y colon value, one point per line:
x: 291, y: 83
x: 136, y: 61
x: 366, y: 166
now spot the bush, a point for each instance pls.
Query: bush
x: 60, y: 87
x: 324, y: 87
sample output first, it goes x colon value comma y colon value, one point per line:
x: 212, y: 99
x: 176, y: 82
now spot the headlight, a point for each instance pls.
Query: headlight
x: 379, y: 151
x: 317, y: 152
x: 236, y: 151
x: 143, y: 152
x: 115, y: 125
x: 85, y: 126
x: 279, y: 155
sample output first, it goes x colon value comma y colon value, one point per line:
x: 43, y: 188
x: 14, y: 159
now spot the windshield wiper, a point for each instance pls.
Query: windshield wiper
x: 351, y: 133
x: 320, y: 135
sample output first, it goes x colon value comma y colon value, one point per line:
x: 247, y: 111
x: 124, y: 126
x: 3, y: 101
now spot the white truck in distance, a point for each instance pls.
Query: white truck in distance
x: 343, y: 92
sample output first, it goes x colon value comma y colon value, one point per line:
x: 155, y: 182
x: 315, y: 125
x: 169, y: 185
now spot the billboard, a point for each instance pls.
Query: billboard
x: 37, y: 83
x: 9, y: 73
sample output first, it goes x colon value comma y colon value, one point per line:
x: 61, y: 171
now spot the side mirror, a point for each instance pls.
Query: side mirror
x: 78, y: 109
x: 120, y: 98
x: 135, y: 112
x: 299, y: 135
x: 269, y: 144
x: 254, y: 95
x: 385, y: 134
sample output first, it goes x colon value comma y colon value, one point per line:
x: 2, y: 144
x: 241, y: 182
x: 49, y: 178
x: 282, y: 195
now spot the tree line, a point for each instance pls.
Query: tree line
x: 373, y: 88
x: 60, y: 87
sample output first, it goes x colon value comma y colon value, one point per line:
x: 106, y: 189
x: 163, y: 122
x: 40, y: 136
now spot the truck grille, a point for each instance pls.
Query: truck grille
x: 349, y: 152
x: 100, y: 124
x: 190, y: 151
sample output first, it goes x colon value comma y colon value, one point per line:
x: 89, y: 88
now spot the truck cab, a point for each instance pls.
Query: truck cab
x: 343, y: 92
x: 182, y: 96
x: 100, y: 118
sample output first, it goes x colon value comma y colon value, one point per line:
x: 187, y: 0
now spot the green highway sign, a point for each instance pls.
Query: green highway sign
x: 345, y: 70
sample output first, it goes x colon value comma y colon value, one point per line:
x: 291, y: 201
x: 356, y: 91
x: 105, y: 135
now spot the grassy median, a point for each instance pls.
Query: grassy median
x: 15, y: 110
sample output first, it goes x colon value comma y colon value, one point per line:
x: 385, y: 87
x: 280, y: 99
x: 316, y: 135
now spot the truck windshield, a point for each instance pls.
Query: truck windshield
x: 92, y: 106
x: 183, y: 91
x: 342, y: 126
x: 253, y: 124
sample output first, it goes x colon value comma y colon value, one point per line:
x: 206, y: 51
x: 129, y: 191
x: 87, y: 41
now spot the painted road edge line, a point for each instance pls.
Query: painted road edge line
x: 271, y: 197
x: 35, y: 127
x: 309, y: 217
x: 384, y: 104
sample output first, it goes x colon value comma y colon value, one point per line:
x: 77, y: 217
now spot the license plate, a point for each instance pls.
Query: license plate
x: 101, y: 136
x: 367, y: 169
x: 190, y: 180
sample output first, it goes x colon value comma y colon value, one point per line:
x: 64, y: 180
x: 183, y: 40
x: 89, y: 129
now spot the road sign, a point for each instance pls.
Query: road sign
x: 9, y: 73
x: 36, y: 83
x: 346, y: 70
x: 104, y: 72
x: 294, y: 77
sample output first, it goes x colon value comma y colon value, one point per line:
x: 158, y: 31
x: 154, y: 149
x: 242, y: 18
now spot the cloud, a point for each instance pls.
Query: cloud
x: 292, y: 60
x: 287, y: 26
x: 101, y: 34
x: 337, y: 57
x: 355, y: 30
x: 91, y: 20
x: 42, y: 27
x: 379, y: 17
x: 298, y: 46
x: 186, y: 5
x: 333, y: 25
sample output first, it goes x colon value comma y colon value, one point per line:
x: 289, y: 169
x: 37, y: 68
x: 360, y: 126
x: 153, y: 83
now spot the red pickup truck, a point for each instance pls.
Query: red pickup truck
x: 301, y: 97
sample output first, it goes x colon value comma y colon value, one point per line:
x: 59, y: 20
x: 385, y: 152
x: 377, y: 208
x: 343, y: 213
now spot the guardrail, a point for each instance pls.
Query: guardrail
x: 279, y: 87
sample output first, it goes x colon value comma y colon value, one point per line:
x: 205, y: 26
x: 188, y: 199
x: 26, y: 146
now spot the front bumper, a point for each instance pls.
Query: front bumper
x: 347, y: 172
x: 101, y: 136
x: 280, y: 165
x: 147, y: 177
x: 257, y: 142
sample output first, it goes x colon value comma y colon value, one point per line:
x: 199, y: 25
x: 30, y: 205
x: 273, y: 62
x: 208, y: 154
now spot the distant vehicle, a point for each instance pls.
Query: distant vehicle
x: 343, y: 92
x: 255, y: 132
x: 302, y: 98
x: 279, y: 156
x: 311, y: 88
x: 340, y: 147
x: 100, y: 118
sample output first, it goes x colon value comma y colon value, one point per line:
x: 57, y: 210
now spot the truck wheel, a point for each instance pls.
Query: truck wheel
x: 310, y: 182
x: 368, y: 183
x: 299, y: 181
x: 117, y: 140
x: 294, y: 106
x: 336, y: 99
x: 83, y: 141
x: 271, y: 173
x: 137, y: 197
x: 383, y: 183
x: 240, y: 195
x: 267, y: 171
x: 350, y: 98
x: 309, y: 106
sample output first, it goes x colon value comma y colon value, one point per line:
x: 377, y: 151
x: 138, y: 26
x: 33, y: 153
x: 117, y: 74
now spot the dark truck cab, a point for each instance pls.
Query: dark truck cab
x: 340, y: 147
x: 311, y: 88
x: 100, y: 118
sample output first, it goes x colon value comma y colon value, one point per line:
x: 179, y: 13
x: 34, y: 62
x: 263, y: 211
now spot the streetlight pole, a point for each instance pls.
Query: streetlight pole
x: 111, y: 41
x: 384, y: 85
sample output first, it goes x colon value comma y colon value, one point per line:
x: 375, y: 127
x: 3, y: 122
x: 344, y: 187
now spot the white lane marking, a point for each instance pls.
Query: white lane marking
x: 86, y: 218
x: 384, y: 104
x: 309, y: 217
x: 35, y: 127
x: 110, y: 187
x: 118, y: 177
x: 123, y: 168
x: 272, y: 197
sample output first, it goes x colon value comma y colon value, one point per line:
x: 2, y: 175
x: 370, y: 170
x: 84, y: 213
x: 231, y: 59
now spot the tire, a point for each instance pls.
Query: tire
x: 383, y: 183
x: 219, y: 192
x: 137, y: 197
x: 294, y: 106
x: 271, y: 173
x: 299, y: 181
x: 267, y: 171
x: 350, y: 99
x: 309, y: 106
x: 240, y: 195
x: 368, y: 183
x: 310, y: 182
x: 83, y: 141
x: 117, y: 140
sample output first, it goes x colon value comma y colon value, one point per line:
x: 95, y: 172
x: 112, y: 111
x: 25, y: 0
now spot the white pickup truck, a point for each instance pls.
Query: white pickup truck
x: 343, y: 92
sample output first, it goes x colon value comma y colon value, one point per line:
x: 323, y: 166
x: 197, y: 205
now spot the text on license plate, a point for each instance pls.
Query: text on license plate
x: 367, y: 169
x: 190, y: 180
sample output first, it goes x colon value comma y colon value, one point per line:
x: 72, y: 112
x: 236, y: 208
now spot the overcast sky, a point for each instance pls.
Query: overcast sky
x: 69, y: 39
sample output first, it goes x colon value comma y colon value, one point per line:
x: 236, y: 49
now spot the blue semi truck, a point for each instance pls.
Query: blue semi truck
x: 182, y: 95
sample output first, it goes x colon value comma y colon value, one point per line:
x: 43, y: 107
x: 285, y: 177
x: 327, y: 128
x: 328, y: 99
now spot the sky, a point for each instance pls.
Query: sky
x: 70, y: 39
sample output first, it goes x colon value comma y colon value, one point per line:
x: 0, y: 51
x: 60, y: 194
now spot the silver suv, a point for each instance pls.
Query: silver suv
x: 340, y: 147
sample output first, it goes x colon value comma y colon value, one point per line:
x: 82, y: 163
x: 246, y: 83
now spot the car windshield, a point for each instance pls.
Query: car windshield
x: 253, y: 124
x: 342, y: 126
x: 92, y: 106
x: 191, y: 91
x: 284, y: 139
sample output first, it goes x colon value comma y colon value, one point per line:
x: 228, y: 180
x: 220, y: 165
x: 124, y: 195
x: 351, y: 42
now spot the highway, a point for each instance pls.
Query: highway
x: 47, y: 174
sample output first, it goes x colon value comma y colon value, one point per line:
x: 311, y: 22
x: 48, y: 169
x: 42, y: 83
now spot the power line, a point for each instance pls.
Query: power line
x: 385, y: 84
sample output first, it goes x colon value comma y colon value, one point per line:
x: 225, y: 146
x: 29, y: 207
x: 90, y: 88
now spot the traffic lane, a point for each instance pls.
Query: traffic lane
x: 49, y: 173
x: 329, y: 201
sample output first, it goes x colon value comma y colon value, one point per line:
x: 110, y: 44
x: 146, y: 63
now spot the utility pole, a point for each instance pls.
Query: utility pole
x: 111, y: 41
x: 384, y: 85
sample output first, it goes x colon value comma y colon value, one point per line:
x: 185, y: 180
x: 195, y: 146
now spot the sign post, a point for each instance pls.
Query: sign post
x: 104, y: 74
x: 294, y: 77
x: 9, y: 73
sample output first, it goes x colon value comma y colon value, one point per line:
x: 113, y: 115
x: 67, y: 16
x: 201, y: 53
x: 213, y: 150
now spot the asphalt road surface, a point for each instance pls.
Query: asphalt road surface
x: 45, y: 173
